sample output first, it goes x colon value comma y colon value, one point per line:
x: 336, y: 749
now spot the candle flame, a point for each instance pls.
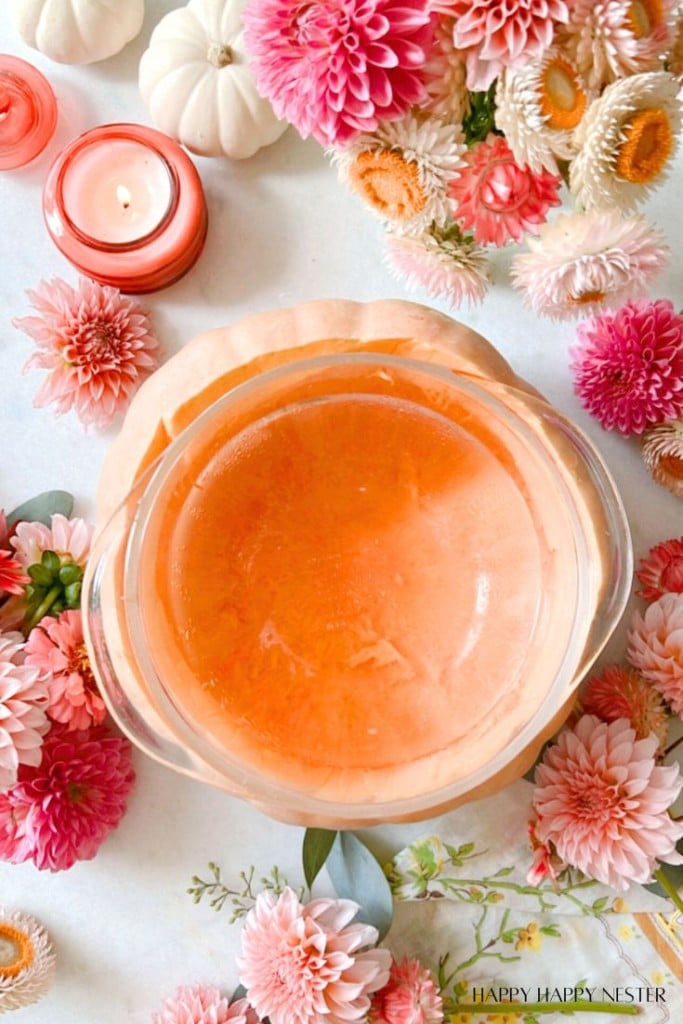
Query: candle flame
x: 123, y: 196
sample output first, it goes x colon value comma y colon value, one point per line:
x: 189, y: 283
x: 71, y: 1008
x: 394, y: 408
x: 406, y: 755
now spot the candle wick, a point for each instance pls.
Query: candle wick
x: 123, y: 196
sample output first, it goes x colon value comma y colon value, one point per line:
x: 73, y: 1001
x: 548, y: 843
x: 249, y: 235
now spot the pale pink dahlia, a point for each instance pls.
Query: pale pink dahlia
x: 499, y: 34
x: 656, y: 647
x: 203, y: 1004
x: 334, y: 68
x: 661, y: 571
x: 497, y: 200
x: 56, y: 647
x: 410, y: 996
x: 13, y: 579
x: 309, y: 964
x: 23, y: 712
x: 620, y: 692
x: 603, y: 801
x: 628, y: 366
x: 68, y: 538
x: 97, y: 344
x: 62, y: 810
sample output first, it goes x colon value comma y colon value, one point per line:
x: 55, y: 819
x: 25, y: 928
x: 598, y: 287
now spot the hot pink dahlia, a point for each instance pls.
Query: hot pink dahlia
x: 308, y: 964
x: 603, y: 802
x: 97, y: 344
x: 56, y: 647
x: 334, y: 68
x: 23, y: 712
x: 62, y: 810
x: 203, y: 1004
x: 620, y: 692
x: 68, y: 538
x: 656, y: 647
x: 409, y: 997
x: 497, y: 200
x: 661, y: 572
x: 13, y: 579
x: 628, y: 366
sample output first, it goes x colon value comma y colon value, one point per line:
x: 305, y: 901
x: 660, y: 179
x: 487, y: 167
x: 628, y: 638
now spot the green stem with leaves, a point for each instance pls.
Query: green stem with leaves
x: 669, y: 888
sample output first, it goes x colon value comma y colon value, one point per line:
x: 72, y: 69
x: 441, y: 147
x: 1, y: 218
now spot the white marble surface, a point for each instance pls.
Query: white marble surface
x: 281, y: 231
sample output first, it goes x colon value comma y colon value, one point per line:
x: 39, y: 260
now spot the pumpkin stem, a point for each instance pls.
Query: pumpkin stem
x: 219, y: 55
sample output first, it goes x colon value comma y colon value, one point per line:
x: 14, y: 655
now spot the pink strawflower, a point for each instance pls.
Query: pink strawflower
x: 409, y: 997
x: 68, y: 538
x: 203, y: 1004
x: 62, y: 810
x: 656, y: 647
x: 545, y: 863
x: 308, y: 963
x: 97, y: 344
x: 334, y: 68
x: 442, y: 262
x: 620, y: 692
x: 13, y: 579
x: 602, y: 801
x: 628, y: 366
x: 497, y: 200
x: 499, y: 34
x: 23, y: 711
x: 661, y: 571
x: 56, y: 647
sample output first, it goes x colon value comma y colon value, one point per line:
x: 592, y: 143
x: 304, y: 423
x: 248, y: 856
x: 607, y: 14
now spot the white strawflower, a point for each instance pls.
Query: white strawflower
x: 442, y: 262
x: 27, y: 962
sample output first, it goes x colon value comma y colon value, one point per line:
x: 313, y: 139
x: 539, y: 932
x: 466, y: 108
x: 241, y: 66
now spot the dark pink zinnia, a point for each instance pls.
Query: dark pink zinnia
x: 334, y: 68
x: 628, y: 366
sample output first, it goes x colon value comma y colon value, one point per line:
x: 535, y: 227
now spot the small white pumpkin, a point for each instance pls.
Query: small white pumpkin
x: 196, y: 82
x: 77, y: 31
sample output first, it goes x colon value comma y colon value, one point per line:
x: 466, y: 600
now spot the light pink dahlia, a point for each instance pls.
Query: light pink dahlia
x: 13, y: 579
x: 656, y: 647
x: 309, y: 964
x: 62, y: 810
x: 68, y: 538
x: 97, y: 344
x: 499, y: 34
x: 661, y: 571
x: 56, y: 647
x: 23, y: 711
x: 203, y: 1004
x: 603, y: 802
x: 620, y: 692
x: 497, y: 200
x: 410, y: 996
x: 334, y: 68
x: 628, y: 366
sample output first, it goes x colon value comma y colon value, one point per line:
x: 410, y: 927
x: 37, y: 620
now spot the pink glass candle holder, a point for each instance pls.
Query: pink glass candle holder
x: 28, y: 112
x: 125, y: 204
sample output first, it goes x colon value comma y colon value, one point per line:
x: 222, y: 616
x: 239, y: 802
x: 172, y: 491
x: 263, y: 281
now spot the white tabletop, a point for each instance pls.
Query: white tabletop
x: 281, y: 231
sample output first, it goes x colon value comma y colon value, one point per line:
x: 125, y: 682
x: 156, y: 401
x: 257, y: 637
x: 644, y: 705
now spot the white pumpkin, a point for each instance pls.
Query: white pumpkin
x: 196, y: 82
x: 77, y: 31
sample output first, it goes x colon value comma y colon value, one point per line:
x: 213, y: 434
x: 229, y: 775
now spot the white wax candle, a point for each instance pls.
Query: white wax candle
x: 116, y: 190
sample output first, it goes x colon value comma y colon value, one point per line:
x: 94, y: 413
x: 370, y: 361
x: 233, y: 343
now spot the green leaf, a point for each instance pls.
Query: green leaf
x: 41, y: 508
x: 503, y: 873
x: 316, y: 847
x: 600, y: 904
x: 239, y: 993
x: 673, y: 874
x: 357, y: 875
x: 40, y: 575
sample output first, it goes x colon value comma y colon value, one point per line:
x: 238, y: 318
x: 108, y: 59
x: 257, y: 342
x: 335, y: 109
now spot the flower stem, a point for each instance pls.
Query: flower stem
x: 578, y: 1006
x: 672, y: 746
x: 669, y: 888
x: 43, y: 608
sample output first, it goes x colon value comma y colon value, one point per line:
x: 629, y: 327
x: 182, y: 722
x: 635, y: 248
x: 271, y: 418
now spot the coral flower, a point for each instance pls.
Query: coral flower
x: 602, y: 801
x: 13, y: 579
x: 661, y: 571
x: 309, y: 964
x: 97, y: 344
x: 56, y: 647
x: 409, y: 997
x: 628, y: 366
x: 203, y: 1004
x: 27, y: 967
x: 546, y: 863
x: 497, y: 200
x: 334, y: 68
x: 620, y: 692
x: 62, y: 810
x: 663, y: 455
x: 656, y: 647
x: 442, y: 262
x: 23, y: 712
x: 68, y: 538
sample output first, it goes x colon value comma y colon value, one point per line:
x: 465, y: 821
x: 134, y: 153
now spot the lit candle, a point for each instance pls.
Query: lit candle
x: 125, y: 205
x: 28, y: 113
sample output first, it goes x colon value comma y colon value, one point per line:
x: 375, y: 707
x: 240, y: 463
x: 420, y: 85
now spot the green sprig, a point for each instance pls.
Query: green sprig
x: 55, y: 587
x: 240, y: 899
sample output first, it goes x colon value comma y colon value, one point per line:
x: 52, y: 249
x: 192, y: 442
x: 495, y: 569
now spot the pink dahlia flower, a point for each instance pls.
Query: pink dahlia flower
x: 661, y: 572
x: 497, y: 200
x: 628, y: 366
x: 499, y: 34
x: 62, y: 810
x: 13, y: 579
x: 656, y: 647
x: 309, y: 964
x: 56, y: 647
x: 620, y: 692
x: 97, y: 344
x: 410, y: 996
x: 334, y: 68
x: 602, y: 801
x: 203, y: 1004
x: 23, y: 712
x: 68, y: 538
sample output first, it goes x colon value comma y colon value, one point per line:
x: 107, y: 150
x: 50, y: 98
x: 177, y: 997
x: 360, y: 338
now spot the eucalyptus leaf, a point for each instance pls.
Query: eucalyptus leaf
x: 41, y: 508
x: 316, y: 847
x: 357, y: 875
x: 673, y: 874
x: 239, y: 993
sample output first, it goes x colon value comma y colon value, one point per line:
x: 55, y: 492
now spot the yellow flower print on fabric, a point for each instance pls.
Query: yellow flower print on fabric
x: 529, y: 937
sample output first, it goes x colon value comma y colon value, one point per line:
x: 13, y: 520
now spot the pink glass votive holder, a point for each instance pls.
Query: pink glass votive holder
x: 125, y: 204
x: 28, y: 112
